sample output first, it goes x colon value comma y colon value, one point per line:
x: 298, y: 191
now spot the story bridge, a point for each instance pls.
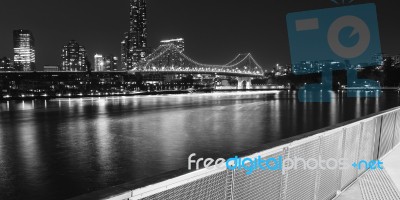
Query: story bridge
x: 169, y: 59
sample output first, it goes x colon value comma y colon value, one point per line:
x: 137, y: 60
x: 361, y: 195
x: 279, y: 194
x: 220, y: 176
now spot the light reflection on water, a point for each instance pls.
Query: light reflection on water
x: 65, y: 147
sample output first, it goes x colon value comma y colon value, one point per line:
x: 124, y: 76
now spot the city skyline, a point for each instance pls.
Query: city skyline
x: 206, y: 39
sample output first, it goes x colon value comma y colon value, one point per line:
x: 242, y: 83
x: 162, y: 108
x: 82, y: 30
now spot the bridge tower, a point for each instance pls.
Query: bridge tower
x: 244, y: 83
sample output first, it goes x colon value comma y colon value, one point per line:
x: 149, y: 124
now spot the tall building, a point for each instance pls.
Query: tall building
x: 105, y: 63
x: 124, y: 52
x: 135, y: 41
x: 179, y: 43
x: 173, y: 58
x: 6, y: 64
x: 98, y: 63
x: 111, y: 63
x: 74, y: 57
x: 24, y: 50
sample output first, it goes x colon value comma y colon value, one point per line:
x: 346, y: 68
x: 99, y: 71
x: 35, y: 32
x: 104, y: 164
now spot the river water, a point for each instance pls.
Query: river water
x: 62, y: 148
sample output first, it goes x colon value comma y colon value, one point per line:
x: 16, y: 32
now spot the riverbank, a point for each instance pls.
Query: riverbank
x: 144, y: 93
x: 139, y: 93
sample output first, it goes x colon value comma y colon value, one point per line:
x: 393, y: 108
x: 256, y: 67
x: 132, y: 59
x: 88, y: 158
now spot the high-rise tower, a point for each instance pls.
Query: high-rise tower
x: 125, y: 52
x: 135, y: 47
x: 74, y: 57
x: 24, y: 50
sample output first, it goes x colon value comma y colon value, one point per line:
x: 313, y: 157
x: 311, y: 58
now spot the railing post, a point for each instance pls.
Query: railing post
x: 229, y: 184
x: 284, y: 175
x: 318, y: 174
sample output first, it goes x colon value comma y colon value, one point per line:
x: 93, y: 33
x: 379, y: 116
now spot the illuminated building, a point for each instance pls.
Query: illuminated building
x: 105, y: 63
x: 48, y: 68
x: 179, y: 43
x: 6, y: 64
x: 74, y: 57
x: 98, y: 63
x: 24, y: 50
x: 124, y: 52
x: 111, y: 63
x: 383, y: 59
x: 174, y: 57
x: 134, y: 45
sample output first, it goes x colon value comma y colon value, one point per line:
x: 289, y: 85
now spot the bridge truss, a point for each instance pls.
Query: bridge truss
x: 170, y: 59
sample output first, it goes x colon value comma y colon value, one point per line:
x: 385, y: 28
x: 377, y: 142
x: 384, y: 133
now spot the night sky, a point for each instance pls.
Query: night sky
x: 214, y: 30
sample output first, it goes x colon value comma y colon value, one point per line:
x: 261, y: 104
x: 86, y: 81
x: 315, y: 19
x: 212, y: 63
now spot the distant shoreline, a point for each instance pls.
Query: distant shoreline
x: 148, y: 93
x: 143, y: 93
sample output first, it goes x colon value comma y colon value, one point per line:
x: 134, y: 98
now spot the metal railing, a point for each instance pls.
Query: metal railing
x: 369, y: 138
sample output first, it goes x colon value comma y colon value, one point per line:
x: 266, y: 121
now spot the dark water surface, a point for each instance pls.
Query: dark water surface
x: 62, y: 148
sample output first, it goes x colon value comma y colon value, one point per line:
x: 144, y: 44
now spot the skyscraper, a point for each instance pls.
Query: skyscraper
x: 179, y: 43
x: 24, y: 50
x: 173, y: 57
x: 124, y: 52
x: 135, y: 42
x: 98, y: 63
x: 74, y: 57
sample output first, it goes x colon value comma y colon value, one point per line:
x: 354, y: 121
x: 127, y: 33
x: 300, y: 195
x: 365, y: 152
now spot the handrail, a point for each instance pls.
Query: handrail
x: 354, y: 136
